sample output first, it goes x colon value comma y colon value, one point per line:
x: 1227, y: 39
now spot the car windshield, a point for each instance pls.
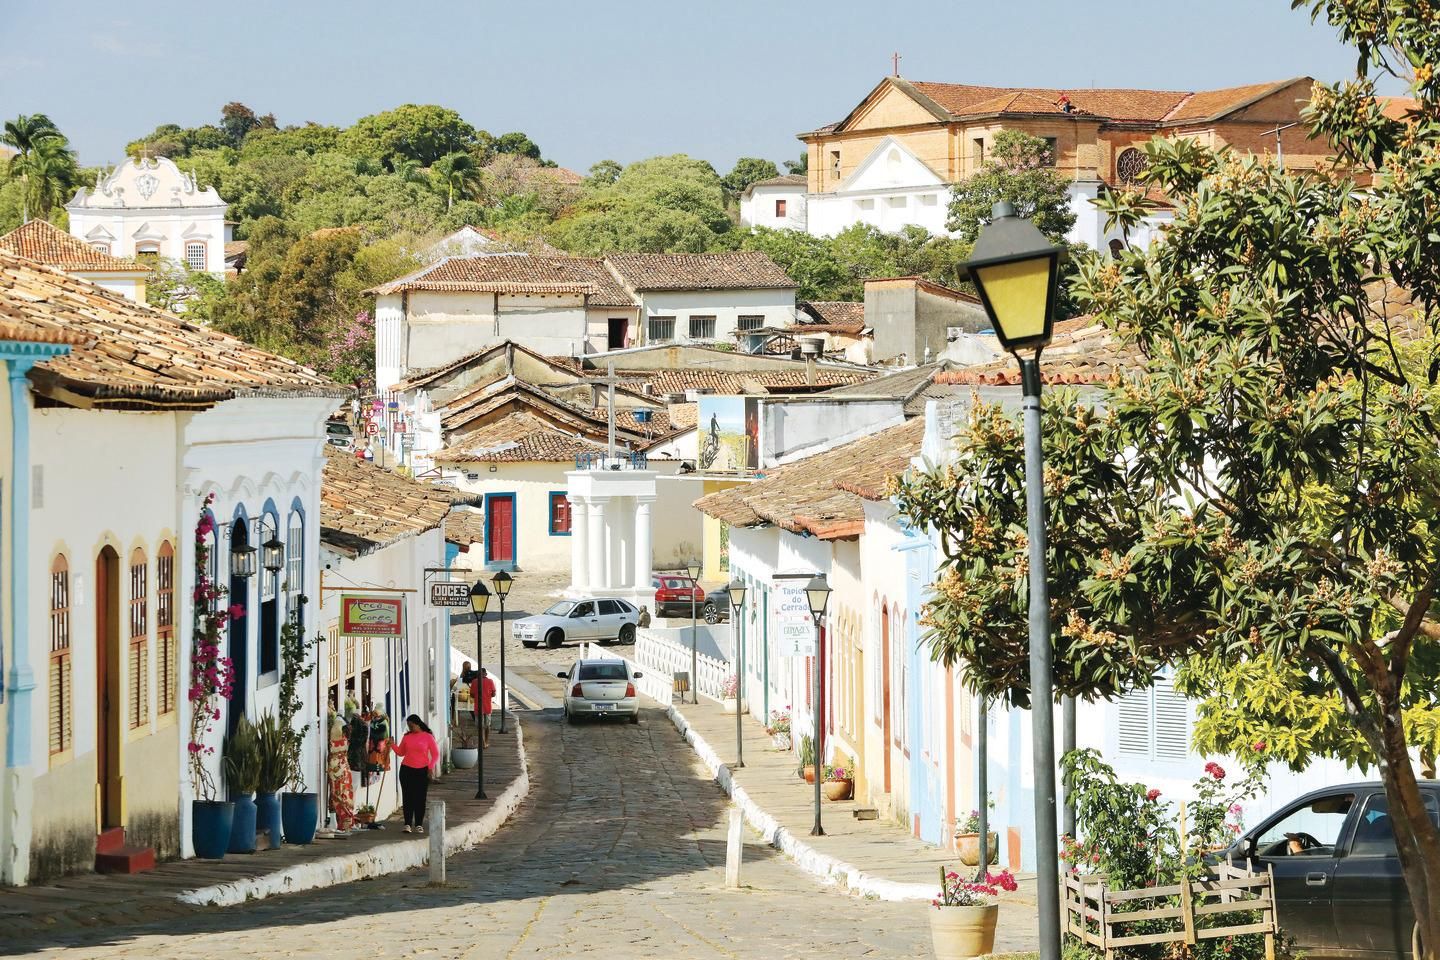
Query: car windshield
x: 562, y: 608
x: 602, y: 671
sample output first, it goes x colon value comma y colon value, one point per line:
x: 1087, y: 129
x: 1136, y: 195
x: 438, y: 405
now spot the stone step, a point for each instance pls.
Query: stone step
x: 110, y: 840
x: 125, y: 860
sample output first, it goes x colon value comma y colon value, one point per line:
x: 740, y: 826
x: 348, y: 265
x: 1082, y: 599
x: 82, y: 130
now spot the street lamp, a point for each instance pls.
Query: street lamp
x: 737, y: 601
x: 694, y: 570
x: 817, y: 593
x: 242, y: 555
x: 502, y: 582
x: 479, y: 600
x: 1014, y: 268
x: 272, y: 554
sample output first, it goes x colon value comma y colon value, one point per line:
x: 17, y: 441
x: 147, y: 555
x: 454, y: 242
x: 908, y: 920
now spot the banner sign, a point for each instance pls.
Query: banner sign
x: 362, y: 616
x: 449, y: 594
x: 794, y: 628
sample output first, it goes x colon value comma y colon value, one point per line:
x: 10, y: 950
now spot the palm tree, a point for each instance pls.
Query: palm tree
x: 25, y: 133
x: 50, y: 171
x: 458, y: 173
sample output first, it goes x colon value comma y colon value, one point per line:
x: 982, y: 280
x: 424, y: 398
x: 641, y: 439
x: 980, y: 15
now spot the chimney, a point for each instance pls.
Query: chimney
x: 810, y: 350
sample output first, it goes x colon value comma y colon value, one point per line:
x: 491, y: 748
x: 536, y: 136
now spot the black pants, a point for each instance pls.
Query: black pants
x: 414, y: 785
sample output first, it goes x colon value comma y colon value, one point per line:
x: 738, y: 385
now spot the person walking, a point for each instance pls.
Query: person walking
x: 419, y: 754
x: 482, y: 692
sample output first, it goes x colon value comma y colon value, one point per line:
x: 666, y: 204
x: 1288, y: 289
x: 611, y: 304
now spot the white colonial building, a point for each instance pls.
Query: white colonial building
x: 777, y: 203
x: 148, y: 208
x: 890, y: 189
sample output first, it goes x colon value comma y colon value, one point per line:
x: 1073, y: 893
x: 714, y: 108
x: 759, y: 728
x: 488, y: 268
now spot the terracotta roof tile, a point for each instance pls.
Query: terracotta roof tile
x: 518, y: 438
x: 784, y: 180
x: 735, y: 382
x: 831, y: 316
x: 817, y: 495
x: 1119, y: 104
x: 43, y: 242
x: 517, y: 273
x: 364, y: 507
x: 1087, y: 354
x: 139, y: 356
x: 1208, y: 104
x: 744, y: 270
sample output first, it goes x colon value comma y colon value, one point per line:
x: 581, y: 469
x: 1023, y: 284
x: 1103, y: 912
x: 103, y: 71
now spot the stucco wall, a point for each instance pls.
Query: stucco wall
x: 758, y: 209
x: 444, y: 326
x: 726, y: 306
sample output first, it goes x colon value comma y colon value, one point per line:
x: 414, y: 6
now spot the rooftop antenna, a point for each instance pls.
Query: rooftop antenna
x: 1279, y: 146
x: 895, y: 62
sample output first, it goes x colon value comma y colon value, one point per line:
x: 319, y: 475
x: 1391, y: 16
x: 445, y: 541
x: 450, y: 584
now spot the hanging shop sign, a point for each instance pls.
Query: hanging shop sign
x: 362, y: 616
x: 794, y: 634
x: 447, y: 594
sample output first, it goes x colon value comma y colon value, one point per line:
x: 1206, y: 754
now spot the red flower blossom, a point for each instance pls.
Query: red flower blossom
x: 1152, y: 795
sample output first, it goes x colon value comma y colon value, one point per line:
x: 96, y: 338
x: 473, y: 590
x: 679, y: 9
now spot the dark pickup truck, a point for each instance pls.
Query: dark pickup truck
x: 1338, y: 886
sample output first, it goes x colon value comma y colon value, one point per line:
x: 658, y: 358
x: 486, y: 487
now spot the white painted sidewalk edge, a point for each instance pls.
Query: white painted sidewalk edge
x: 387, y: 858
x: 828, y: 869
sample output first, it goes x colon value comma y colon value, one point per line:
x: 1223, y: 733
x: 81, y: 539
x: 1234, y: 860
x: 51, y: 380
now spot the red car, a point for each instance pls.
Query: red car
x: 674, y: 595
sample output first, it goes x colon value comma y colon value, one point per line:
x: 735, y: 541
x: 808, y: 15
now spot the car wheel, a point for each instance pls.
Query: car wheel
x: 569, y: 718
x: 529, y: 644
x: 627, y: 633
x: 554, y: 638
x: 712, y: 615
x: 635, y: 717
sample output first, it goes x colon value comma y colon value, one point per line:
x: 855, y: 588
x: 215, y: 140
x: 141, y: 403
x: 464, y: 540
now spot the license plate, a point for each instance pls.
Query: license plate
x: 603, y: 706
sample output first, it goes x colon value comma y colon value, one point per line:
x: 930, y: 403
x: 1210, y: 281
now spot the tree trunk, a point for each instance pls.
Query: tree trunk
x: 1416, y: 837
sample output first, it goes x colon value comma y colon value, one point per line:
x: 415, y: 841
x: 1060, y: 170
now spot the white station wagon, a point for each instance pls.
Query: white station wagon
x: 602, y: 619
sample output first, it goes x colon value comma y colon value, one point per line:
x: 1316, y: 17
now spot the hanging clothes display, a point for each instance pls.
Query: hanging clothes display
x: 377, y: 759
x: 342, y: 791
x: 359, y: 742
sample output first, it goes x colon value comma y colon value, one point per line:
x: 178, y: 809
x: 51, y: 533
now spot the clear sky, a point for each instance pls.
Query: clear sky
x: 623, y: 79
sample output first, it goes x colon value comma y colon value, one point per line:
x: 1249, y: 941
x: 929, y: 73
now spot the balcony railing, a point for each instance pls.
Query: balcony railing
x: 624, y: 460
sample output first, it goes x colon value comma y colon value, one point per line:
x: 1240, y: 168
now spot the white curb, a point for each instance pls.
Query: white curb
x: 828, y: 869
x: 387, y: 858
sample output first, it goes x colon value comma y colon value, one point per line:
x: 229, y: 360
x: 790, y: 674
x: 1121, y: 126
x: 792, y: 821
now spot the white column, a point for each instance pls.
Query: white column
x: 597, y: 543
x: 642, y: 543
x: 579, y: 543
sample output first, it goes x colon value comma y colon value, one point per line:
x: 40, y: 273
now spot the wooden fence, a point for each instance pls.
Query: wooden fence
x: 1229, y: 903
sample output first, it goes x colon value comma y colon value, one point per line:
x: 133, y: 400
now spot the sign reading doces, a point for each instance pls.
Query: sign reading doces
x: 449, y: 594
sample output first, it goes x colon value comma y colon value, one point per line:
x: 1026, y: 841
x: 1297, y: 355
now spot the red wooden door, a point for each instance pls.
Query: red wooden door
x: 500, y: 529
x: 107, y: 685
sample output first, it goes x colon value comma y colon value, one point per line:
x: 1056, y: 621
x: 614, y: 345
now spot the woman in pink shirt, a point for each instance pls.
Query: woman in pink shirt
x: 419, y: 755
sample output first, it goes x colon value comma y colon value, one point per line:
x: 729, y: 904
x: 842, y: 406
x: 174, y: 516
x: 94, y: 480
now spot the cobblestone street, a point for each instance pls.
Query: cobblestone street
x: 618, y: 851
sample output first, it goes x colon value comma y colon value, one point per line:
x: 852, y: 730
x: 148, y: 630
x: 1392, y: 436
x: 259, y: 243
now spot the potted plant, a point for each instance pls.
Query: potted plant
x: 967, y: 840
x: 242, y: 775
x: 274, y: 771
x: 807, y: 759
x: 779, y: 729
x: 730, y: 694
x: 211, y: 677
x: 464, y: 748
x: 365, y: 815
x: 962, y: 918
x: 839, y: 784
x: 299, y: 807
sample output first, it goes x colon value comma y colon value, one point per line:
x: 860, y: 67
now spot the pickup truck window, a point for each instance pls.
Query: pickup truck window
x: 1374, y: 835
x: 1308, y: 831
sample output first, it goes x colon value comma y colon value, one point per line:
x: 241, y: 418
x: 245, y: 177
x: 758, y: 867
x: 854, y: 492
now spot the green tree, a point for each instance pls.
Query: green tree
x: 26, y: 133
x: 673, y: 204
x: 801, y: 166
x: 836, y: 268
x: 237, y: 120
x: 424, y: 133
x: 604, y: 173
x: 457, y: 173
x: 748, y: 170
x: 518, y: 144
x: 1257, y: 502
x: 1021, y: 170
x: 49, y: 171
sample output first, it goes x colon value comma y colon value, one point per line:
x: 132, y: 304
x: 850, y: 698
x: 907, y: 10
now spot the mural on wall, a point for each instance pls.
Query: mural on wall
x: 729, y: 434
x: 724, y: 547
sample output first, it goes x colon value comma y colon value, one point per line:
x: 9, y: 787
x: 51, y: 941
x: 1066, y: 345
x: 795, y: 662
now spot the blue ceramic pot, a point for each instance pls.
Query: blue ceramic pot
x: 242, y: 828
x: 267, y: 816
x: 210, y: 824
x: 300, y: 812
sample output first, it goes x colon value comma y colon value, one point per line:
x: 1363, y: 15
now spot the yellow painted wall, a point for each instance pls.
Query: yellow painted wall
x: 716, y: 567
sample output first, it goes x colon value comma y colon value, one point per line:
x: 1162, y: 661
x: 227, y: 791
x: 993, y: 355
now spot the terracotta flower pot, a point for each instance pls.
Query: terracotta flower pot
x: 808, y: 773
x: 837, y: 789
x: 959, y: 933
x: 967, y: 846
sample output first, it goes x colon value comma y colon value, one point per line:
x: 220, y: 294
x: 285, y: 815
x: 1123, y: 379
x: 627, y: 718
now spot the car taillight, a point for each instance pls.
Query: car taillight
x: 629, y: 689
x: 575, y: 691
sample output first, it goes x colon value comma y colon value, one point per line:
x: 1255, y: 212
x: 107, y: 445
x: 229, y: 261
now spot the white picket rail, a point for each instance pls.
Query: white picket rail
x: 655, y: 682
x: 658, y: 652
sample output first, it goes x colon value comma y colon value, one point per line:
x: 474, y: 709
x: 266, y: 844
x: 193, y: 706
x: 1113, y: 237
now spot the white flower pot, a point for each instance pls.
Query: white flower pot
x: 959, y: 933
x: 464, y: 758
x: 730, y: 704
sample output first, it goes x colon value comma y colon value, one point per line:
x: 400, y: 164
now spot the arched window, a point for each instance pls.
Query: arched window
x: 100, y: 246
x: 61, y: 696
x: 147, y: 252
x: 139, y: 702
x: 195, y: 255
x: 295, y: 557
x: 1131, y: 165
x: 269, y: 605
x: 165, y: 628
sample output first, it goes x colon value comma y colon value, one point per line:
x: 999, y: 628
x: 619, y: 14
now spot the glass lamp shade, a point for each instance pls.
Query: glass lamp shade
x: 817, y: 592
x: 1015, y: 270
x: 479, y: 597
x: 737, y: 594
x: 242, y: 561
x: 502, y: 581
x: 272, y: 555
x: 694, y: 570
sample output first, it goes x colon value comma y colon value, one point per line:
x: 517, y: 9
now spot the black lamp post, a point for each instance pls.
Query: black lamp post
x: 479, y: 600
x: 242, y: 555
x: 1014, y: 268
x: 502, y: 582
x: 737, y: 602
x: 694, y: 570
x: 817, y: 593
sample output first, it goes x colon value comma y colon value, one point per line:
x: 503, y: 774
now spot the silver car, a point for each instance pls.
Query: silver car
x: 602, y: 619
x: 601, y: 688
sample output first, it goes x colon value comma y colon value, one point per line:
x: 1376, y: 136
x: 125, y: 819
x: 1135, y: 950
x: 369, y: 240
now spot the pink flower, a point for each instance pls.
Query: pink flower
x: 236, y: 611
x: 1259, y: 746
x: 1152, y: 795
